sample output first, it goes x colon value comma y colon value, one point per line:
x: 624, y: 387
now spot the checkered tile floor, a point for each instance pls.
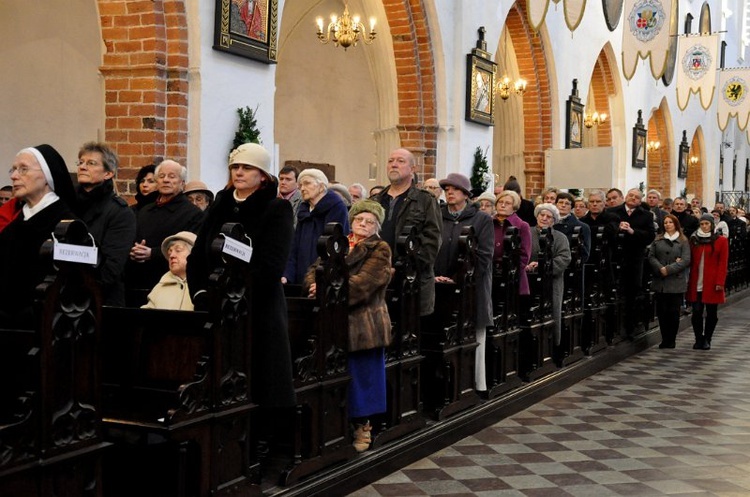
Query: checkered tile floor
x: 665, y: 422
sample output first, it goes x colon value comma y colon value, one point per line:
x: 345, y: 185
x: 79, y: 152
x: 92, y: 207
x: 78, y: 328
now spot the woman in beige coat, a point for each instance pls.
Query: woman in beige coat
x: 171, y: 292
x: 369, y: 263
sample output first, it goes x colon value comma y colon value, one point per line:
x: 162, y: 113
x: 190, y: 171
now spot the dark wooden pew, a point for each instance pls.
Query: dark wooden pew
x: 501, y: 357
x: 448, y: 342
x: 403, y: 358
x: 597, y: 280
x: 50, y: 399
x: 318, y: 333
x: 177, y: 399
x: 536, y: 341
x: 571, y: 349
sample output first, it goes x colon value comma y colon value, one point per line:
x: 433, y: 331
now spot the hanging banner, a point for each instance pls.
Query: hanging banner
x: 646, y: 33
x: 734, y: 85
x: 573, y: 10
x: 697, y: 61
x: 536, y: 11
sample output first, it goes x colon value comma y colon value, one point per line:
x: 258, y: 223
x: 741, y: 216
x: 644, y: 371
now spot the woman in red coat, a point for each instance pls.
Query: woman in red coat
x: 708, y: 271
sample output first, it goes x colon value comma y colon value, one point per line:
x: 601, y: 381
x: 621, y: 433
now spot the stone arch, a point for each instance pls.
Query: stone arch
x: 694, y: 180
x: 519, y: 149
x: 659, y: 162
x: 145, y: 70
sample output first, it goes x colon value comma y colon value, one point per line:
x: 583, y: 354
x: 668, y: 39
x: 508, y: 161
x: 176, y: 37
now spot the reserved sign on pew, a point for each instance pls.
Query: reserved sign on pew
x: 75, y: 253
x: 237, y: 249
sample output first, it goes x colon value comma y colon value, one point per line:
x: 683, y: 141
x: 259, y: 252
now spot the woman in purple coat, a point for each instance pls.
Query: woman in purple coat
x: 506, y: 205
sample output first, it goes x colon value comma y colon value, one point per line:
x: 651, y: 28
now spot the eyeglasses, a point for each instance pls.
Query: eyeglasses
x: 88, y: 163
x: 23, y: 170
x: 367, y: 221
x: 504, y: 202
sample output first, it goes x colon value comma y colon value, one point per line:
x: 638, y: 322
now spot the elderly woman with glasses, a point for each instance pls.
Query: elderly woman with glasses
x: 42, y: 184
x: 546, y: 216
x: 369, y: 263
x: 506, y: 205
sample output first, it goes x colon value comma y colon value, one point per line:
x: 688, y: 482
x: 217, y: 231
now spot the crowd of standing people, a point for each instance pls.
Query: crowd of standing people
x: 156, y: 253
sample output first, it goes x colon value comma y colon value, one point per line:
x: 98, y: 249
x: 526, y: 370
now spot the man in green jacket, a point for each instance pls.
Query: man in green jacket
x: 407, y: 205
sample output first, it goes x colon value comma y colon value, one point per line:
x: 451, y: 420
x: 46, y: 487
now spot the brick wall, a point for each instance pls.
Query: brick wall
x: 415, y: 71
x: 145, y: 79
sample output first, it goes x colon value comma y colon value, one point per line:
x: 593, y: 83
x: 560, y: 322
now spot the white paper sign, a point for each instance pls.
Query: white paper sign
x: 75, y: 253
x: 237, y: 249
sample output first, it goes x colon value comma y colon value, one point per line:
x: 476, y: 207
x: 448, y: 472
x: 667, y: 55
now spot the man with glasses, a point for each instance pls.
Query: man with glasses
x: 109, y: 219
x: 171, y: 213
x: 432, y: 186
x: 569, y: 222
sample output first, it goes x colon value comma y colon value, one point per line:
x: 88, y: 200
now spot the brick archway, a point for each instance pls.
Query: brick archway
x: 602, y: 88
x: 659, y: 161
x: 523, y: 126
x: 415, y: 71
x: 145, y: 70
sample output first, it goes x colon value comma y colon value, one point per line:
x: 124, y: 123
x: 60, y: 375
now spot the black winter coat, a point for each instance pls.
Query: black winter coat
x: 268, y: 222
x: 112, y: 223
x: 154, y: 223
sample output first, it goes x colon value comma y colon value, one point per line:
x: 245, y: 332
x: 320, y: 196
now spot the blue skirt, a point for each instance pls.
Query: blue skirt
x: 367, y: 388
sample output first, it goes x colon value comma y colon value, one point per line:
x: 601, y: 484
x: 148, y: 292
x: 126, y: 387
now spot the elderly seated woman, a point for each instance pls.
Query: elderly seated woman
x: 172, y: 290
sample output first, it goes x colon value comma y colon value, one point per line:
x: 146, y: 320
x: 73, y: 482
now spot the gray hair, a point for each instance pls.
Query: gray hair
x: 183, y: 169
x: 516, y: 198
x: 655, y: 192
x: 109, y: 157
x: 598, y: 193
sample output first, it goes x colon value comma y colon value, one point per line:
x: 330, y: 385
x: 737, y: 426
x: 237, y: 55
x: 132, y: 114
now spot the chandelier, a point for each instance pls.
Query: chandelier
x: 505, y: 86
x: 346, y: 30
x: 595, y: 119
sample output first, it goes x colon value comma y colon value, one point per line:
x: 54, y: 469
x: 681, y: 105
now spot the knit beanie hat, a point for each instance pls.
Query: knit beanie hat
x: 55, y: 172
x: 367, y: 205
x: 548, y: 207
x: 489, y: 196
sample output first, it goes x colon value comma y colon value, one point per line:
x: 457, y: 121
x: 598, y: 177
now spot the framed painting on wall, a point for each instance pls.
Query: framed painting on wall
x: 247, y: 28
x: 480, y: 90
x: 639, y: 142
x: 481, y: 72
x: 683, y: 165
x: 574, y: 119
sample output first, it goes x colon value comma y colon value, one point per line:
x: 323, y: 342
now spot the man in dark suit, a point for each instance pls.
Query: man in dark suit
x: 637, y: 230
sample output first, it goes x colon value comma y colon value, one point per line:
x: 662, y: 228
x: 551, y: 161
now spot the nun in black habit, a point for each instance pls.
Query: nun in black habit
x: 41, y: 181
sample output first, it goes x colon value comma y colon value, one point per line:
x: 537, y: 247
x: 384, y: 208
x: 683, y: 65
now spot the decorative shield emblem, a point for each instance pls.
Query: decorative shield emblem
x: 697, y: 61
x: 646, y: 19
x: 734, y: 91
